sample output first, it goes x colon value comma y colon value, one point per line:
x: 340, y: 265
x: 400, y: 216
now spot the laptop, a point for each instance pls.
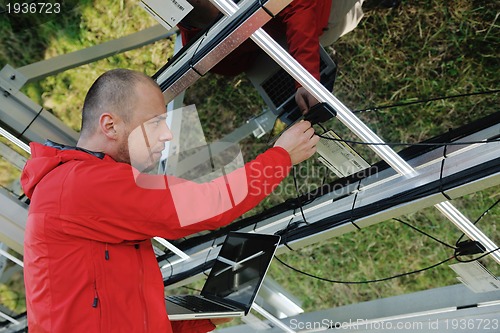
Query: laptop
x: 277, y: 88
x: 234, y: 281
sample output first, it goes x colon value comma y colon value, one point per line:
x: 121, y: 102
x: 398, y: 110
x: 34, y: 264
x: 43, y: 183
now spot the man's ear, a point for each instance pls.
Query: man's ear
x: 107, y: 125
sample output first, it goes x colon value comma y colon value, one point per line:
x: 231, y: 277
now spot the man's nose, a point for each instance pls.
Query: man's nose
x: 166, y: 134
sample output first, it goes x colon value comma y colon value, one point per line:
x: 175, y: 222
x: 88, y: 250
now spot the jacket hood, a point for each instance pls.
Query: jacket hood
x: 45, y: 158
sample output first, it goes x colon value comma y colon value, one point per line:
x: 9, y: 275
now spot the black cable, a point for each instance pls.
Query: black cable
x: 298, y: 194
x: 426, y: 234
x: 31, y: 122
x: 362, y: 282
x: 208, y: 254
x: 377, y: 108
x: 322, y: 127
x: 375, y: 280
x: 351, y: 218
x: 441, y: 174
x: 171, y: 268
x: 284, y: 232
x: 480, y: 217
x: 190, y: 288
x: 475, y: 259
x: 455, y: 255
x: 408, y: 143
x: 190, y: 62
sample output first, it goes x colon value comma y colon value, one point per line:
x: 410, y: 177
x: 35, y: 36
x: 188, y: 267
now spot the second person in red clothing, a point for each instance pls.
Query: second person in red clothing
x: 306, y: 24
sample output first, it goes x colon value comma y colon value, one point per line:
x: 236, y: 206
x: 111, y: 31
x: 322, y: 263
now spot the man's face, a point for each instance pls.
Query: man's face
x: 148, y: 128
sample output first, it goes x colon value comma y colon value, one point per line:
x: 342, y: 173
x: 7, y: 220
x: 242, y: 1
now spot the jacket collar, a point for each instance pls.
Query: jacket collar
x: 60, y: 146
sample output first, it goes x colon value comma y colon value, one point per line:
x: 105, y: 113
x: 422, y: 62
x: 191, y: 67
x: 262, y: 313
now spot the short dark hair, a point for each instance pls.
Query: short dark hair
x: 113, y: 91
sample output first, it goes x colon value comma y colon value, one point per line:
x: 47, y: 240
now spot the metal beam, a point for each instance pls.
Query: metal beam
x: 12, y: 156
x: 13, y: 215
x: 435, y: 310
x: 25, y: 119
x: 377, y: 189
x: 52, y: 66
x: 220, y: 40
x: 29, y: 121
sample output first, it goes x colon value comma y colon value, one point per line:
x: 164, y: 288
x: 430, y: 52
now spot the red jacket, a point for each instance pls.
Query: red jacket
x: 302, y: 22
x: 89, y: 263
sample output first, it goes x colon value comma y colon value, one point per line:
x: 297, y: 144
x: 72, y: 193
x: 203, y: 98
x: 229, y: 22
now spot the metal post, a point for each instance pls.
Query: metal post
x: 11, y: 257
x: 15, y: 140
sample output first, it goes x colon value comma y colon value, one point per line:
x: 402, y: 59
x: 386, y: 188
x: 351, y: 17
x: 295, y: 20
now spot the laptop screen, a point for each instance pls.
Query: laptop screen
x: 240, y: 268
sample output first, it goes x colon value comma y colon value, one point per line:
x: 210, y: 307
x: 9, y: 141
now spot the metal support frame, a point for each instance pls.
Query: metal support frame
x: 299, y: 73
x: 435, y: 310
x: 31, y: 123
x: 49, y: 67
x: 220, y: 40
x: 26, y: 120
x: 375, y: 189
x: 12, y: 156
x: 13, y: 215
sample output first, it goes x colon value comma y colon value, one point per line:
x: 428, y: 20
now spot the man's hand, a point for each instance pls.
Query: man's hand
x: 304, y: 100
x: 299, y: 141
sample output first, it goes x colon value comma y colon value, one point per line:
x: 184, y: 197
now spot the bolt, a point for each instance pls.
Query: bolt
x: 13, y: 76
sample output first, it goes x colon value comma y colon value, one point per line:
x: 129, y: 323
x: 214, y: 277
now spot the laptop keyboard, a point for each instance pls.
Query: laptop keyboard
x: 197, y: 304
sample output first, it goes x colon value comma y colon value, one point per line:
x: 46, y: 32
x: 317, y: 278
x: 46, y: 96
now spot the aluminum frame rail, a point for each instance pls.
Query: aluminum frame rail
x: 29, y: 121
x: 13, y: 216
x: 25, y: 119
x: 52, y: 66
x: 468, y: 168
x: 442, y: 309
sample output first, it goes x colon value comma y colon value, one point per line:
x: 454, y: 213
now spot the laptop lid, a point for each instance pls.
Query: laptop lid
x: 235, y: 278
x: 240, y: 269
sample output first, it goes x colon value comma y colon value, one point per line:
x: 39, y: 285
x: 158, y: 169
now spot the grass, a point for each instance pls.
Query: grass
x: 420, y: 50
x: 379, y: 251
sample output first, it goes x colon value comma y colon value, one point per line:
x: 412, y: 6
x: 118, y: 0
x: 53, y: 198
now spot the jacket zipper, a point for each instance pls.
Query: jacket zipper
x: 106, y: 252
x: 95, y: 302
x: 141, y: 287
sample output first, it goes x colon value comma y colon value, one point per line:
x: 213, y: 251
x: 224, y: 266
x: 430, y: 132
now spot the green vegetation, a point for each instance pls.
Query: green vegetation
x: 422, y: 49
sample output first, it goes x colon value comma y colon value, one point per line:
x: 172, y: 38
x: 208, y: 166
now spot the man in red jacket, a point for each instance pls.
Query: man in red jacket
x: 305, y: 23
x: 89, y: 262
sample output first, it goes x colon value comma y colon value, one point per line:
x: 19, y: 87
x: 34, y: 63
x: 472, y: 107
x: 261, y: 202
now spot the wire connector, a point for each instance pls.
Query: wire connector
x: 469, y: 247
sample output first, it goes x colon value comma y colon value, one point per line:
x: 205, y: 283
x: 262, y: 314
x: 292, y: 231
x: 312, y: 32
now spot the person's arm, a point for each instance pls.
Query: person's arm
x: 104, y: 203
x: 304, y: 21
x: 192, y: 326
x: 302, y: 35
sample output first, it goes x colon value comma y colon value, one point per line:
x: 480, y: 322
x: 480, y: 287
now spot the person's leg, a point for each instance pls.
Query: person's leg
x: 344, y: 17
